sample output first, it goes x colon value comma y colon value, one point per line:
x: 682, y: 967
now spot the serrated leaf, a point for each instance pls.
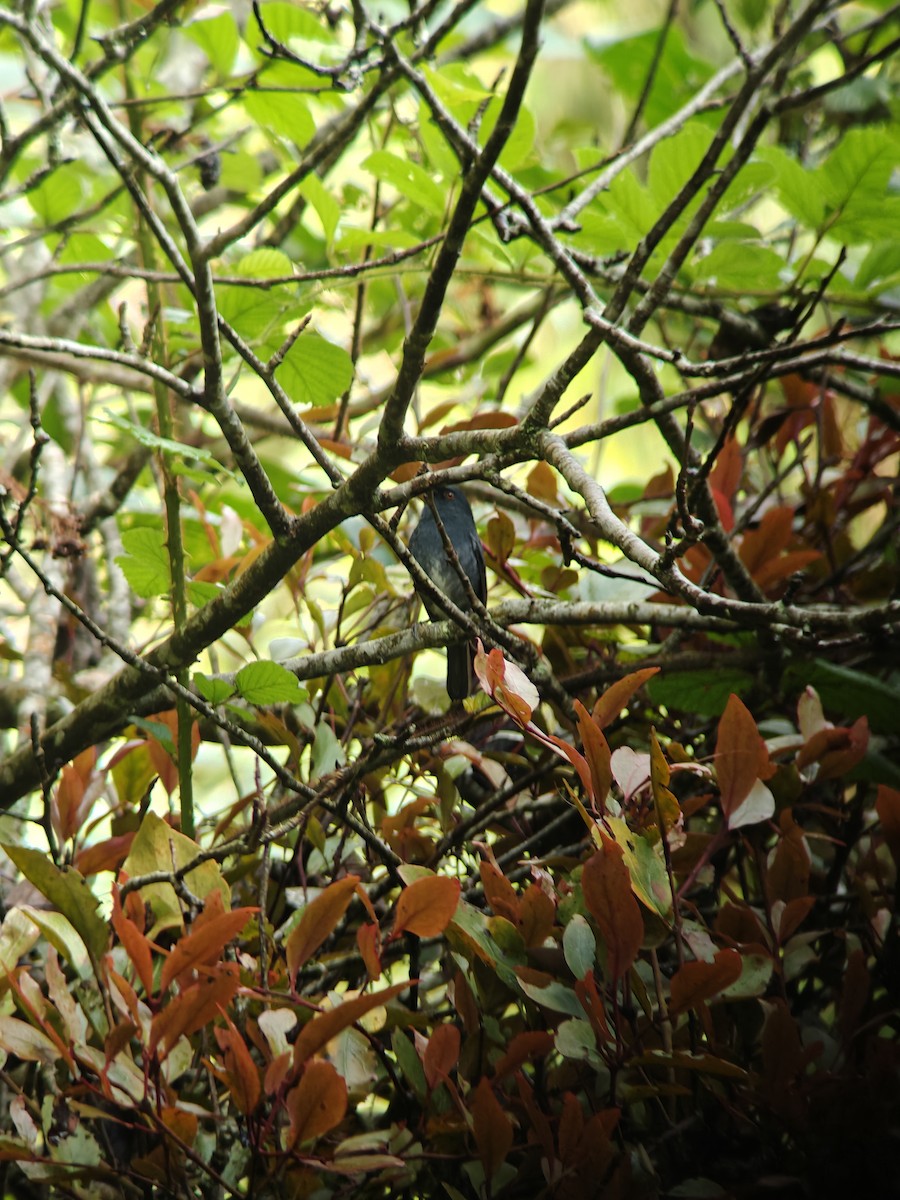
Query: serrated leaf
x: 178, y: 451
x: 216, y: 691
x: 146, y: 563
x: 315, y: 371
x: 268, y: 683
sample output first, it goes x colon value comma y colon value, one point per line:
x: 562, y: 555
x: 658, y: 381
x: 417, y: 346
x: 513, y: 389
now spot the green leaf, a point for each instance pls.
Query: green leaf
x: 146, y: 563
x: 704, y: 692
x: 315, y: 371
x: 268, y: 683
x: 68, y: 893
x: 177, y: 451
x: 579, y: 946
x: 576, y: 1039
x: 741, y: 266
x: 215, y: 691
x: 409, y: 179
x: 847, y: 693
x: 214, y: 30
x: 159, y: 847
x: 283, y: 113
x: 674, y: 161
x: 323, y: 201
x: 797, y: 187
x: 286, y: 21
x: 59, y: 194
x: 556, y: 996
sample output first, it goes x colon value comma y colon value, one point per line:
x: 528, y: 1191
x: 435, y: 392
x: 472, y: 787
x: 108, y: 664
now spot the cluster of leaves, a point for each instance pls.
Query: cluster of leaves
x: 625, y: 923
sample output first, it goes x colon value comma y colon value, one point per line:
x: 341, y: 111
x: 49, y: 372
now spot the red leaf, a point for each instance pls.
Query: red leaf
x: 698, y: 981
x: 318, y: 921
x: 427, y: 906
x: 492, y: 1128
x: 606, y: 884
x: 317, y: 1103
x: 441, y: 1054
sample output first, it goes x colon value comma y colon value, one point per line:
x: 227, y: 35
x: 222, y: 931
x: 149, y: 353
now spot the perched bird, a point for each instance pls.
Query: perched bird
x: 427, y: 547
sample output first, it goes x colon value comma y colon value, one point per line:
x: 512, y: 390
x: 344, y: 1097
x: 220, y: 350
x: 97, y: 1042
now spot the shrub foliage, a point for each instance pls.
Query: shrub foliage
x: 277, y: 921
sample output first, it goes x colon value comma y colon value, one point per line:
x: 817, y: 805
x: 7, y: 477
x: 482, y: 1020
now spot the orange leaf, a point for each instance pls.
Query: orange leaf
x: 741, y: 756
x: 427, y: 906
x: 492, y: 1129
x: 441, y: 1054
x: 191, y: 1009
x: 317, y: 1103
x: 606, y: 884
x: 323, y: 1027
x: 542, y: 484
x: 205, y: 945
x: 615, y: 698
x: 242, y: 1072
x: 368, y: 940
x: 597, y: 753
x: 698, y: 981
x: 136, y: 945
x: 501, y: 537
x: 318, y: 921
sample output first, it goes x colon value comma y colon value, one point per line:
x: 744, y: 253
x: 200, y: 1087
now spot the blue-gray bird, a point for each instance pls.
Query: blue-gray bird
x: 427, y: 548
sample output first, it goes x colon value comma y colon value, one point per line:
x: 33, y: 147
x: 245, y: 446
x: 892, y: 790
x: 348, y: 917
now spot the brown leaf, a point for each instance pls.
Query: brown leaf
x: 136, y: 945
x: 204, y: 947
x: 317, y: 1103
x: 501, y: 537
x: 492, y: 1128
x: 426, y: 906
x: 606, y: 884
x: 191, y: 1009
x: 835, y: 750
x: 887, y: 805
x: 499, y: 892
x: 542, y: 483
x: 698, y: 981
x: 741, y: 755
x: 368, y: 940
x: 441, y: 1054
x: 597, y: 754
x: 529, y: 1045
x: 616, y: 697
x: 242, y: 1074
x: 537, y: 916
x: 323, y: 1027
x: 317, y: 922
